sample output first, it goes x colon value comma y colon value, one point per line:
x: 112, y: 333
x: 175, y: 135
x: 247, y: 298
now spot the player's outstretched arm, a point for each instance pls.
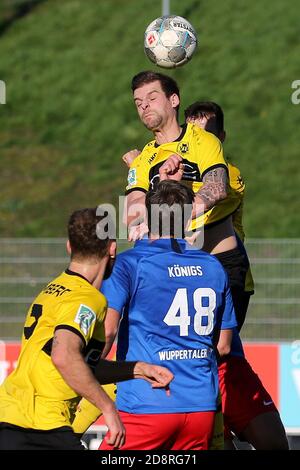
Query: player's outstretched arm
x: 158, y: 376
x: 128, y: 157
x: 214, y: 189
x: 67, y: 357
x: 134, y: 208
x: 118, y: 371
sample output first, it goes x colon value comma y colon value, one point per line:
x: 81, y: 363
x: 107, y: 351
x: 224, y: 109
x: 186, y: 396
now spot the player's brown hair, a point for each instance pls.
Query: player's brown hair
x: 174, y: 203
x: 84, y: 235
x: 206, y: 109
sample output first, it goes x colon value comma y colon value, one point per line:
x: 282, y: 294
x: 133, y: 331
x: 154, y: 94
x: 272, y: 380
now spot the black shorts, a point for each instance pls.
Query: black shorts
x: 236, y: 265
x: 17, y: 438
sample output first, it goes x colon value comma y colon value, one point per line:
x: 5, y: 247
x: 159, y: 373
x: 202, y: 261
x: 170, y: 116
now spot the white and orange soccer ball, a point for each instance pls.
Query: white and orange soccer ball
x: 170, y: 41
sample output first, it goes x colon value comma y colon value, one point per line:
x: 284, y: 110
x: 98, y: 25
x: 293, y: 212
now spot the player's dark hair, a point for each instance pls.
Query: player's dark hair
x: 206, y: 109
x: 168, y: 84
x: 169, y: 208
x: 84, y: 236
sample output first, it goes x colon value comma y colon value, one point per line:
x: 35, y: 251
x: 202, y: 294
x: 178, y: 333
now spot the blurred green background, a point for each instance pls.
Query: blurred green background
x: 69, y: 115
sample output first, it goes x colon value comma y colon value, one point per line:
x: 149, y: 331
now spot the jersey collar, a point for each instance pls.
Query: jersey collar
x: 184, y: 127
x: 73, y: 273
x: 162, y: 244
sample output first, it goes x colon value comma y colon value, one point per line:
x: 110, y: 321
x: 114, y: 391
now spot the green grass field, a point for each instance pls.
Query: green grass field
x: 69, y: 114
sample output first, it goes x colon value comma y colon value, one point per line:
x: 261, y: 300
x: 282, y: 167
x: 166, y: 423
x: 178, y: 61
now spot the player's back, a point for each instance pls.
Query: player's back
x: 35, y: 394
x: 177, y: 301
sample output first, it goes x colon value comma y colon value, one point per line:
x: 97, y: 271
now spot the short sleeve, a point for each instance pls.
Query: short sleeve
x: 84, y: 315
x: 236, y: 180
x: 138, y: 177
x: 116, y: 288
x: 228, y: 319
x: 209, y: 152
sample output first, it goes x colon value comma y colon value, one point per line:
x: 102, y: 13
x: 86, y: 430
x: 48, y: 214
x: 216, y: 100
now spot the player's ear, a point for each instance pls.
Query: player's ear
x: 174, y: 100
x: 112, y: 250
x: 69, y: 249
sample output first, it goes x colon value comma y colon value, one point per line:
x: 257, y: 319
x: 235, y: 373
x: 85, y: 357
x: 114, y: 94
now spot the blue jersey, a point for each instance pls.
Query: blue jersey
x: 172, y: 301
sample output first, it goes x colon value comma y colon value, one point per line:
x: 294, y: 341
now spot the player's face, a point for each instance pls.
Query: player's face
x: 153, y: 107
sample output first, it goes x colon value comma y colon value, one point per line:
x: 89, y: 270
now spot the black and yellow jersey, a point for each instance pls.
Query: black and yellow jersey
x: 232, y: 205
x: 35, y: 395
x: 237, y: 184
x: 201, y: 152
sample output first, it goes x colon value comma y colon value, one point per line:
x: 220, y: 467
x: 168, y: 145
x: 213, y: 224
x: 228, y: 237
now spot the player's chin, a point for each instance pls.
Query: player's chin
x: 151, y: 124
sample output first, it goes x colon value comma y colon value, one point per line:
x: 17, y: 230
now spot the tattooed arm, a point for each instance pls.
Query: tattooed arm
x: 214, y: 189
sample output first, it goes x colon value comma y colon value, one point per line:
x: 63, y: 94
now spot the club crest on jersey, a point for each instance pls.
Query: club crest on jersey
x: 85, y: 317
x: 131, y: 177
x: 183, y: 147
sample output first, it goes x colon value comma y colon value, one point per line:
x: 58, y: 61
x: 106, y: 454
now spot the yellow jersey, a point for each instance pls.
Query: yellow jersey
x: 237, y: 184
x: 35, y: 395
x: 201, y: 152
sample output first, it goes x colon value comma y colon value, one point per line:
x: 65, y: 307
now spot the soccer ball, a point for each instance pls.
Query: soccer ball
x: 170, y: 41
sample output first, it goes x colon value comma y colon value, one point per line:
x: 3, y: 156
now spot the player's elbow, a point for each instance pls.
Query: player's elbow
x: 59, y: 360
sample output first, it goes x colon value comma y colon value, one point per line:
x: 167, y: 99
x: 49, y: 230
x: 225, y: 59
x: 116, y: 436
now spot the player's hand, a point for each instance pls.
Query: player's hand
x: 130, y: 156
x: 158, y: 376
x: 116, y: 431
x: 172, y: 168
x: 137, y: 232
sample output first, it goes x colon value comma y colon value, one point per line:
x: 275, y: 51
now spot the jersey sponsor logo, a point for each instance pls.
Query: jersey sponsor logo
x: 85, y: 318
x: 183, y: 354
x: 267, y: 403
x: 132, y: 177
x: 152, y: 158
x: 184, y: 271
x: 183, y: 147
x: 56, y: 289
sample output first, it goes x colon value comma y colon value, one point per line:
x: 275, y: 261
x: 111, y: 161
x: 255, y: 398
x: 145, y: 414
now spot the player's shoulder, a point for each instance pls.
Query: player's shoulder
x: 148, y: 148
x: 235, y: 177
x: 234, y: 171
x: 127, y: 258
x: 201, y: 135
x: 140, y: 162
x: 86, y: 294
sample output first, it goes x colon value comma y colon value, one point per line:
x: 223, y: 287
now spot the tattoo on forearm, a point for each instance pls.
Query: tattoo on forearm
x: 214, y: 187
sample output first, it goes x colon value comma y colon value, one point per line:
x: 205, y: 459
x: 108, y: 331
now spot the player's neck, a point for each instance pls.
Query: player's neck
x: 158, y: 237
x: 92, y: 271
x: 168, y: 133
